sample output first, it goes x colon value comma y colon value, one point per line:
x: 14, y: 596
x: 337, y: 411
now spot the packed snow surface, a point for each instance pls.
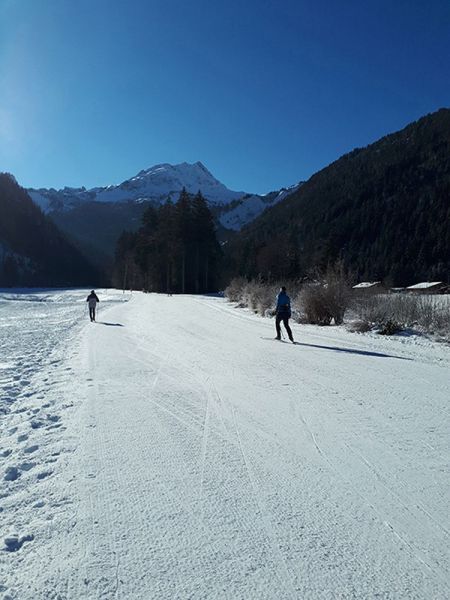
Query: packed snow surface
x: 173, y: 449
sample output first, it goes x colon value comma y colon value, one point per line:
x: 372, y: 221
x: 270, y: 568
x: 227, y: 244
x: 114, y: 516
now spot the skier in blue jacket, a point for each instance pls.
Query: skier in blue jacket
x: 283, y: 313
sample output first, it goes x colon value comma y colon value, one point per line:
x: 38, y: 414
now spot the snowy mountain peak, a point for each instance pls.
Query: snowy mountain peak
x: 157, y: 183
x: 184, y: 174
x: 163, y: 182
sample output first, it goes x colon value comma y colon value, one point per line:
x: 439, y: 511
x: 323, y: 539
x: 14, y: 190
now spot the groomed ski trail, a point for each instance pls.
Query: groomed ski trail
x: 211, y: 464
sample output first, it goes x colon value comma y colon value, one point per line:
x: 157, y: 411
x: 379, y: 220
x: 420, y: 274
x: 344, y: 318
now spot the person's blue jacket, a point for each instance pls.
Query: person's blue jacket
x: 283, y: 305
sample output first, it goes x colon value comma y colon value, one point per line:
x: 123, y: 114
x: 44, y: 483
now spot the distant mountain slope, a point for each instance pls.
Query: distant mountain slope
x: 33, y: 252
x: 156, y: 184
x: 384, y: 209
x: 245, y: 210
x: 95, y: 218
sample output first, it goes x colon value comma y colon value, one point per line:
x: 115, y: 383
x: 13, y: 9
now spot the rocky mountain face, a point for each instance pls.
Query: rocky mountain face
x: 156, y: 184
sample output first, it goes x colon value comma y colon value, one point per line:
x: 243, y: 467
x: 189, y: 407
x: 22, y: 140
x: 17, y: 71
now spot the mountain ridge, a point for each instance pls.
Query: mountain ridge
x: 94, y: 218
x: 383, y: 209
x: 33, y: 251
x: 157, y: 183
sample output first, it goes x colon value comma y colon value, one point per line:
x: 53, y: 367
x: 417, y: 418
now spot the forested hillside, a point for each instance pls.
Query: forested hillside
x: 33, y: 252
x: 383, y: 209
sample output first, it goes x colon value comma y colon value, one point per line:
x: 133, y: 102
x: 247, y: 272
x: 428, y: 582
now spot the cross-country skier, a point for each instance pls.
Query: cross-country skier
x: 92, y: 299
x: 283, y: 313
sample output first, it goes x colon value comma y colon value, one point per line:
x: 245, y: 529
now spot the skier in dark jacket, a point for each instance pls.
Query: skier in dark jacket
x: 92, y: 300
x: 283, y: 313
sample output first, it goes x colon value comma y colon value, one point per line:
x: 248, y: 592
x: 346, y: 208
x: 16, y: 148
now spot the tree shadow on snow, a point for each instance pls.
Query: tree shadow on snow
x: 352, y: 351
x: 109, y: 324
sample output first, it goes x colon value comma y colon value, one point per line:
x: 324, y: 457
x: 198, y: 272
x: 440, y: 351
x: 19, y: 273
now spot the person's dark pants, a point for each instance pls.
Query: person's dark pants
x: 92, y: 313
x: 285, y: 320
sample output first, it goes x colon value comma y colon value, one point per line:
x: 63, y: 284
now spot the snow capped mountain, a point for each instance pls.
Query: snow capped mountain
x: 251, y: 206
x: 107, y: 210
x: 156, y: 184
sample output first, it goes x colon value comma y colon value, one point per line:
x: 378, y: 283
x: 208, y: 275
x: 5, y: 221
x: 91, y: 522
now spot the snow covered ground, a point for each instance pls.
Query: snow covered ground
x: 173, y: 450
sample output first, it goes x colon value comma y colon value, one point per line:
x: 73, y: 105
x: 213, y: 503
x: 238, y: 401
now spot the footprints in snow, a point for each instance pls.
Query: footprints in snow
x: 27, y: 466
x: 13, y: 473
x: 13, y: 543
x: 40, y: 422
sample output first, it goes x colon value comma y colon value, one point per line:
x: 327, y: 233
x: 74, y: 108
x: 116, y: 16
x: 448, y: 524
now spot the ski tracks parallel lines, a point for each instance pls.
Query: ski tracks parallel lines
x: 369, y: 503
x: 383, y: 483
x: 203, y: 451
x: 266, y: 521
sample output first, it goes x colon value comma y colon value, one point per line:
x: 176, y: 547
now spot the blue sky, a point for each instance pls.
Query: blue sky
x: 264, y: 93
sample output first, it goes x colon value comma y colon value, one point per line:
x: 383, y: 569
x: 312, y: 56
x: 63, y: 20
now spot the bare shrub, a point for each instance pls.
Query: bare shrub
x: 428, y: 314
x: 266, y: 299
x: 390, y: 328
x: 434, y: 315
x: 314, y: 304
x: 327, y: 299
x: 259, y: 296
x: 233, y: 292
x: 359, y: 327
x: 255, y: 295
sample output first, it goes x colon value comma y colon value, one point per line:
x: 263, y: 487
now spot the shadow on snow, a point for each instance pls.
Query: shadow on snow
x: 352, y: 351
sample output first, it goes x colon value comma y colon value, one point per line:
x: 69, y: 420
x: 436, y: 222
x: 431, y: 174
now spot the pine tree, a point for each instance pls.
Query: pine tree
x: 175, y: 249
x: 183, y: 221
x: 206, y: 248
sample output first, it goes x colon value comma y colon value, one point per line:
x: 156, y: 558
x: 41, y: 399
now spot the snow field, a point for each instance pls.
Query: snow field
x: 194, y: 459
x: 38, y: 339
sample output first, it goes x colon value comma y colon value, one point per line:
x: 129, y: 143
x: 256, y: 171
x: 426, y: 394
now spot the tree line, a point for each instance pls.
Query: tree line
x: 174, y: 250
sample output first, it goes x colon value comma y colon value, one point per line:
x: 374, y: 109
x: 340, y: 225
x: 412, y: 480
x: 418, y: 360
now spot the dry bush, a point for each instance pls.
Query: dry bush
x: 359, y: 327
x: 314, y: 305
x: 256, y: 295
x: 390, y: 328
x: 391, y: 313
x: 259, y: 296
x: 233, y: 292
x: 327, y: 299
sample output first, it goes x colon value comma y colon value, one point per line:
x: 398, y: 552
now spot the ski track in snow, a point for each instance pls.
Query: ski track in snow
x: 167, y: 451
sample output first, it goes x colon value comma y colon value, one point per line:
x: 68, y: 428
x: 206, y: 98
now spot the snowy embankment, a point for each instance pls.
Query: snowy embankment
x: 173, y: 450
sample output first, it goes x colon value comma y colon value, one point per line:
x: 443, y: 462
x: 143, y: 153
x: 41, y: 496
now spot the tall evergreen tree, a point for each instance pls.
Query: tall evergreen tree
x: 206, y: 248
x: 175, y: 249
x: 183, y: 234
